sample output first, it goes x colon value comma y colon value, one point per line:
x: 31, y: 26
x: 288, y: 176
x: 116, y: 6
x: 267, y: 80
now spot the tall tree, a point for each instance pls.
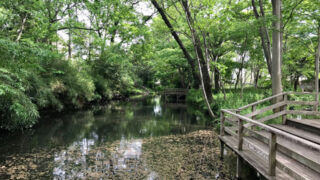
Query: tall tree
x: 178, y: 40
x: 264, y: 33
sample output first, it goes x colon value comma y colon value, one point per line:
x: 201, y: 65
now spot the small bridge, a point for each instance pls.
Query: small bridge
x: 281, y: 141
x: 179, y: 93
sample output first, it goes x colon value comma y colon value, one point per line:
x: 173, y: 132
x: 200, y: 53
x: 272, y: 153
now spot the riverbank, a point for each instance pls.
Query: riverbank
x: 191, y: 156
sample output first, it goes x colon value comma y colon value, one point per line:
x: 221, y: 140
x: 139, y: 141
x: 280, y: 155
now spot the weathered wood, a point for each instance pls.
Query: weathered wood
x: 267, y: 118
x: 299, y: 112
x: 253, y: 159
x: 302, y: 93
x: 301, y: 151
x: 231, y: 120
x: 274, y: 106
x: 287, y: 164
x: 222, y: 120
x: 253, y: 110
x: 221, y: 149
x: 240, y: 134
x: 308, y: 122
x: 301, y: 102
x: 284, y: 108
x: 175, y: 91
x: 274, y: 130
x: 261, y: 101
x: 233, y: 131
x: 239, y: 167
x: 272, y: 154
x: 316, y: 78
x: 307, y: 156
x: 298, y: 132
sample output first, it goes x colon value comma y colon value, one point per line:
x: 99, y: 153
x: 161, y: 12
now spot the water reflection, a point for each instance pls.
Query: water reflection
x: 83, y: 158
x: 157, y: 107
x: 102, y: 142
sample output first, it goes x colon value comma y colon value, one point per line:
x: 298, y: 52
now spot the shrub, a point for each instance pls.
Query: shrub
x: 16, y: 109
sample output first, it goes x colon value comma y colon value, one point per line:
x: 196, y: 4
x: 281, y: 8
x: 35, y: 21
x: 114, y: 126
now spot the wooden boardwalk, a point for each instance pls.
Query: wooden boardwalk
x: 179, y: 93
x: 281, y: 141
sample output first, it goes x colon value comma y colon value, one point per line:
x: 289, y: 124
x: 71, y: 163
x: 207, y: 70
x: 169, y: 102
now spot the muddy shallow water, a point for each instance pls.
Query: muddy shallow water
x: 105, y: 142
x: 139, y: 139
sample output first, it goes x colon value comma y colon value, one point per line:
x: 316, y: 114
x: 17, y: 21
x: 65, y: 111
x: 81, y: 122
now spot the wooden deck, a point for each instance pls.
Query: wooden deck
x: 281, y: 141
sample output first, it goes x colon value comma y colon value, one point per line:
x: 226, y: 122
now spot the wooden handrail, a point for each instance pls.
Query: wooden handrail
x: 274, y: 130
x: 302, y: 93
x: 261, y: 101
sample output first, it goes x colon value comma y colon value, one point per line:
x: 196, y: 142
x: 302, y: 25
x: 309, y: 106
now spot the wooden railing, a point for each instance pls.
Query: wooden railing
x: 178, y: 91
x: 279, y: 109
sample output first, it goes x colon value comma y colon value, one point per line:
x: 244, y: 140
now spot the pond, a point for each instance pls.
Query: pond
x: 104, y: 140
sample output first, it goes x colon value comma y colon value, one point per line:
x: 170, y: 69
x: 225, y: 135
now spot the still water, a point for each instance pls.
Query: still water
x: 102, y: 140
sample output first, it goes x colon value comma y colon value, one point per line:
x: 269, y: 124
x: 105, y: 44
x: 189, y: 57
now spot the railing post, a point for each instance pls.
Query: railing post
x: 253, y: 109
x: 222, y: 119
x: 272, y: 154
x: 284, y: 108
x: 316, y: 106
x: 240, y: 132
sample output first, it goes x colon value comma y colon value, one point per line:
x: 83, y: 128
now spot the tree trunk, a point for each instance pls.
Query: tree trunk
x: 207, y: 55
x: 296, y: 82
x: 216, y: 80
x: 241, y: 82
x: 264, y: 34
x: 178, y: 40
x: 69, y: 44
x: 24, y: 20
x: 317, y: 69
x: 240, y: 69
x: 204, y: 74
x: 276, y: 49
x: 256, y: 78
x: 237, y: 80
x: 69, y: 37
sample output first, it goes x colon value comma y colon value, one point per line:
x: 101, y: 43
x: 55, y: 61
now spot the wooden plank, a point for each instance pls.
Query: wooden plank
x: 284, y: 108
x: 260, y: 164
x: 309, y: 122
x: 222, y: 119
x: 272, y: 153
x: 253, y: 110
x: 233, y: 121
x: 267, y: 118
x: 261, y: 101
x: 284, y: 162
x: 272, y: 129
x: 274, y: 106
x: 300, y: 112
x: 301, y: 153
x: 298, y: 132
x: 232, y: 131
x: 301, y: 93
x: 240, y: 134
x: 302, y: 102
x: 275, y: 115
